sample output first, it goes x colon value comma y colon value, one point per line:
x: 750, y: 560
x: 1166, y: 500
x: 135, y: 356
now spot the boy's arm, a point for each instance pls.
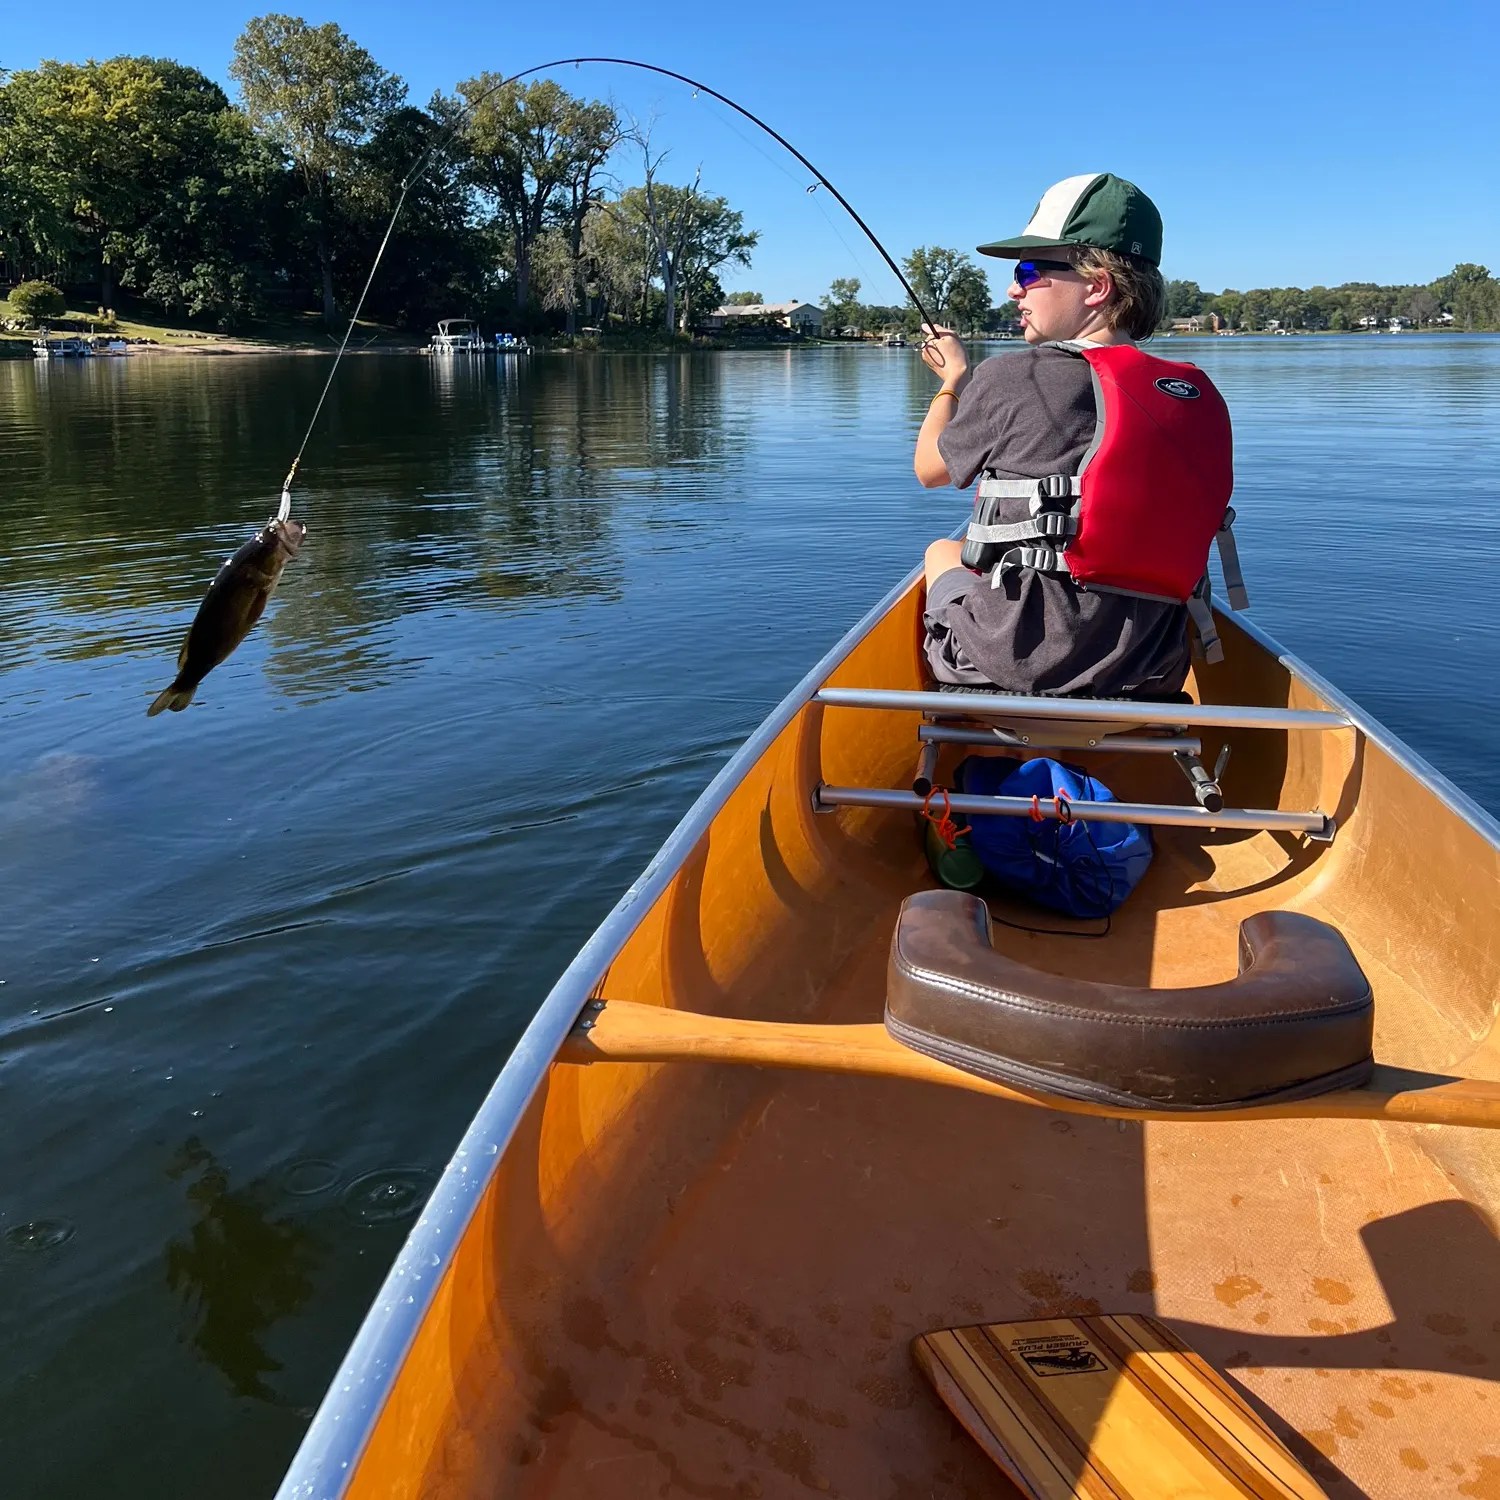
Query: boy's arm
x: 946, y: 357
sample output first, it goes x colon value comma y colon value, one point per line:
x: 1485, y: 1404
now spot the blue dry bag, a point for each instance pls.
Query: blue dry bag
x: 1084, y: 869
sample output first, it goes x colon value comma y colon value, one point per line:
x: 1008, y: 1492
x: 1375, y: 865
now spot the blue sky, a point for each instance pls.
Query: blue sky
x: 1304, y: 144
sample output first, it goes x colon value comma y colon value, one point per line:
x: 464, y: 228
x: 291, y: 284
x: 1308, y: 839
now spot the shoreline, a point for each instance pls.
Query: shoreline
x: 18, y: 346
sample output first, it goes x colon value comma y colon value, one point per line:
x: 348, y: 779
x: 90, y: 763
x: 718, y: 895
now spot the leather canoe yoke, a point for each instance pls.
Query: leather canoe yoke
x: 1297, y: 1020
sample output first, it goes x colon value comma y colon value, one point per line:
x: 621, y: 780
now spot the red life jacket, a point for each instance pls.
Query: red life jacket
x: 1150, y: 496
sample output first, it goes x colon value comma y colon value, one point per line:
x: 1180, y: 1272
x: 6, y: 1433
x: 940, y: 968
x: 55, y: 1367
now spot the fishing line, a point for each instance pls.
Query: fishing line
x: 809, y: 188
x: 415, y: 173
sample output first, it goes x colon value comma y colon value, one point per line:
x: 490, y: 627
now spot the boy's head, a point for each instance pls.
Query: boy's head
x: 1088, y: 257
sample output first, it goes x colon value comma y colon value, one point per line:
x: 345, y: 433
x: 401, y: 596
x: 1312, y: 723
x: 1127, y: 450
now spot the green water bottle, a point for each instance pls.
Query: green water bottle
x: 957, y: 868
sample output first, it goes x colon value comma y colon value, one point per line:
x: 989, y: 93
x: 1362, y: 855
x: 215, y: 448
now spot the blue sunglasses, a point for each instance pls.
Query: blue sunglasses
x: 1029, y: 272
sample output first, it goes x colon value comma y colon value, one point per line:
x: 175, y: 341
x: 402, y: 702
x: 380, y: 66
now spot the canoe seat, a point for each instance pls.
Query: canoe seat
x: 1118, y: 1406
x: 1296, y: 1021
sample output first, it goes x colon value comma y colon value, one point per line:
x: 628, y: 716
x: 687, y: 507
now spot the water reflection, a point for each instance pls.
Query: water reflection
x: 239, y: 1268
x: 431, y: 484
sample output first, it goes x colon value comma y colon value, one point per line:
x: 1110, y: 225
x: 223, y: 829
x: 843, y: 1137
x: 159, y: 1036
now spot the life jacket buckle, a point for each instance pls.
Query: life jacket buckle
x: 1055, y: 487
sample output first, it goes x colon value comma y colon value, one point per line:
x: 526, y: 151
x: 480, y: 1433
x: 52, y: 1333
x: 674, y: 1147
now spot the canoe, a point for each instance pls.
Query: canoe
x: 652, y: 1269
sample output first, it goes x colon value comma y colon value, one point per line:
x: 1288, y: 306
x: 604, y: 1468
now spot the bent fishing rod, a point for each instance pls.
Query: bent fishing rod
x: 414, y: 175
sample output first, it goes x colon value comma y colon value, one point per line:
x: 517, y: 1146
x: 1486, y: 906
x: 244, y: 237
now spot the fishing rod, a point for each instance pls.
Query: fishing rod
x: 415, y: 173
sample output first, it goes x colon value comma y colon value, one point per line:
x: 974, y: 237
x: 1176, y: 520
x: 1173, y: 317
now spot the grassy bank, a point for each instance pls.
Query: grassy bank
x: 301, y: 332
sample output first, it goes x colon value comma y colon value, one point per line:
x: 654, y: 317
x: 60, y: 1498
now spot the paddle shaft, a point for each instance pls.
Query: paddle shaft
x: 621, y: 1031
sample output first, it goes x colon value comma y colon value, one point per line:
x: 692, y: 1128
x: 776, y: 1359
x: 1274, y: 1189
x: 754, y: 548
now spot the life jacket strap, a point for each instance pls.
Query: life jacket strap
x: 1055, y: 525
x: 1041, y: 559
x: 1053, y: 503
x: 1201, y: 612
x: 1053, y: 487
x: 1229, y: 560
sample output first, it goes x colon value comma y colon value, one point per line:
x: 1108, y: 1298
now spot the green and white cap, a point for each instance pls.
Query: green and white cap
x: 1096, y: 209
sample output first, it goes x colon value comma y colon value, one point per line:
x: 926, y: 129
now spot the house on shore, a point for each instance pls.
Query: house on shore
x: 799, y: 317
x: 1200, y: 323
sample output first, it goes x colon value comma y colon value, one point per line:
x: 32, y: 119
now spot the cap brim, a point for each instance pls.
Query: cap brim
x: 1023, y: 242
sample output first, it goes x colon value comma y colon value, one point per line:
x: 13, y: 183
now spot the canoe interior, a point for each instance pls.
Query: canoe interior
x: 705, y: 1280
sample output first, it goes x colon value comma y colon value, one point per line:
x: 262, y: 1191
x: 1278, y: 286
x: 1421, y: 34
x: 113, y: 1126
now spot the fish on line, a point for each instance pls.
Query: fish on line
x: 235, y: 600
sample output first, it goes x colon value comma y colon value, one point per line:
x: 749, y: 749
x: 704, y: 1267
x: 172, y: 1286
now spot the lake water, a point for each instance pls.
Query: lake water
x: 263, y: 958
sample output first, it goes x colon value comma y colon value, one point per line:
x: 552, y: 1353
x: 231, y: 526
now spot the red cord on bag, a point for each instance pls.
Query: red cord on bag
x: 947, y: 829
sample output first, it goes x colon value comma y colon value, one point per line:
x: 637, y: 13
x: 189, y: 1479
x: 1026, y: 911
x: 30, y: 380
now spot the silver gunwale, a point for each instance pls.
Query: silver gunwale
x: 333, y: 1443
x: 330, y: 1449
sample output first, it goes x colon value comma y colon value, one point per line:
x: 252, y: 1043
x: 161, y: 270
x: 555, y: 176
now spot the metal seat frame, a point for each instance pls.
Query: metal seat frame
x: 1031, y: 723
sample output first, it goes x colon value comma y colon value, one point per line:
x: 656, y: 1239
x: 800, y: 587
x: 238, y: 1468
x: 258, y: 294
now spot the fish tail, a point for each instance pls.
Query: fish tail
x: 176, y: 698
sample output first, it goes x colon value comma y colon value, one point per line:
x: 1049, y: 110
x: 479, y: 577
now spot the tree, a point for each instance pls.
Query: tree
x: 692, y: 236
x: 37, y: 299
x: 747, y: 299
x: 948, y: 283
x: 1230, y: 306
x: 592, y: 131
x: 841, y: 304
x: 1184, y: 299
x: 1288, y: 305
x: 1002, y: 318
x: 969, y: 297
x: 1469, y: 293
x: 617, y: 261
x: 440, y: 262
x: 1422, y: 307
x: 137, y: 171
x: 316, y: 95
x: 537, y: 154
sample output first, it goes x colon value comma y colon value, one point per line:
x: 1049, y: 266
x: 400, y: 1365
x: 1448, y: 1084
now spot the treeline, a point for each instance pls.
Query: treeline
x: 957, y: 292
x: 140, y: 175
x: 951, y: 287
x: 1467, y: 298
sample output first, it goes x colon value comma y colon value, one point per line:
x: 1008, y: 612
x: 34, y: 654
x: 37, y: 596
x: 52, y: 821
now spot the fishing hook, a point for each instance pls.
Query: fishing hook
x: 414, y: 175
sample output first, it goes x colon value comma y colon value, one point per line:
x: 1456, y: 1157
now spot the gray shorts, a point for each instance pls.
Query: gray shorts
x: 945, y: 657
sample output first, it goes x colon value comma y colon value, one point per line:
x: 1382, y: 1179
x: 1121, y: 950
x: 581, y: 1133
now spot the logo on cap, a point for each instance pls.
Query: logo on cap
x: 1184, y: 390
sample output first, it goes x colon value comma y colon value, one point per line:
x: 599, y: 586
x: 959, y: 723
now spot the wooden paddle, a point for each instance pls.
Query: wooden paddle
x: 621, y: 1031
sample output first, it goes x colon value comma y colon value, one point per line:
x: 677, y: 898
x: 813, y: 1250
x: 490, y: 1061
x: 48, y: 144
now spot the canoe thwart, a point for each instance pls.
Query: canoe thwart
x: 1297, y: 1019
x: 623, y: 1031
x: 998, y: 737
x: 1117, y: 1406
x: 1117, y: 711
x: 1314, y: 824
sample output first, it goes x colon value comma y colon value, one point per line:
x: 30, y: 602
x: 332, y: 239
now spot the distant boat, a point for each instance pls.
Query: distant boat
x: 893, y: 341
x: 508, y: 343
x: 63, y: 348
x: 457, y: 336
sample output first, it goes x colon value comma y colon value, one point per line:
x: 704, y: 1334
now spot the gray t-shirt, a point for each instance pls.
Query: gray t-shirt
x: 1024, y: 416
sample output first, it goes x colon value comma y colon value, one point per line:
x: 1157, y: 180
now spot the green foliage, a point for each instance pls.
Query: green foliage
x: 311, y: 91
x: 1184, y: 299
x: 316, y: 96
x: 842, y: 307
x: 691, y: 236
x: 748, y: 299
x: 535, y: 153
x: 1468, y: 298
x: 138, y: 173
x: 37, y: 299
x: 951, y: 287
